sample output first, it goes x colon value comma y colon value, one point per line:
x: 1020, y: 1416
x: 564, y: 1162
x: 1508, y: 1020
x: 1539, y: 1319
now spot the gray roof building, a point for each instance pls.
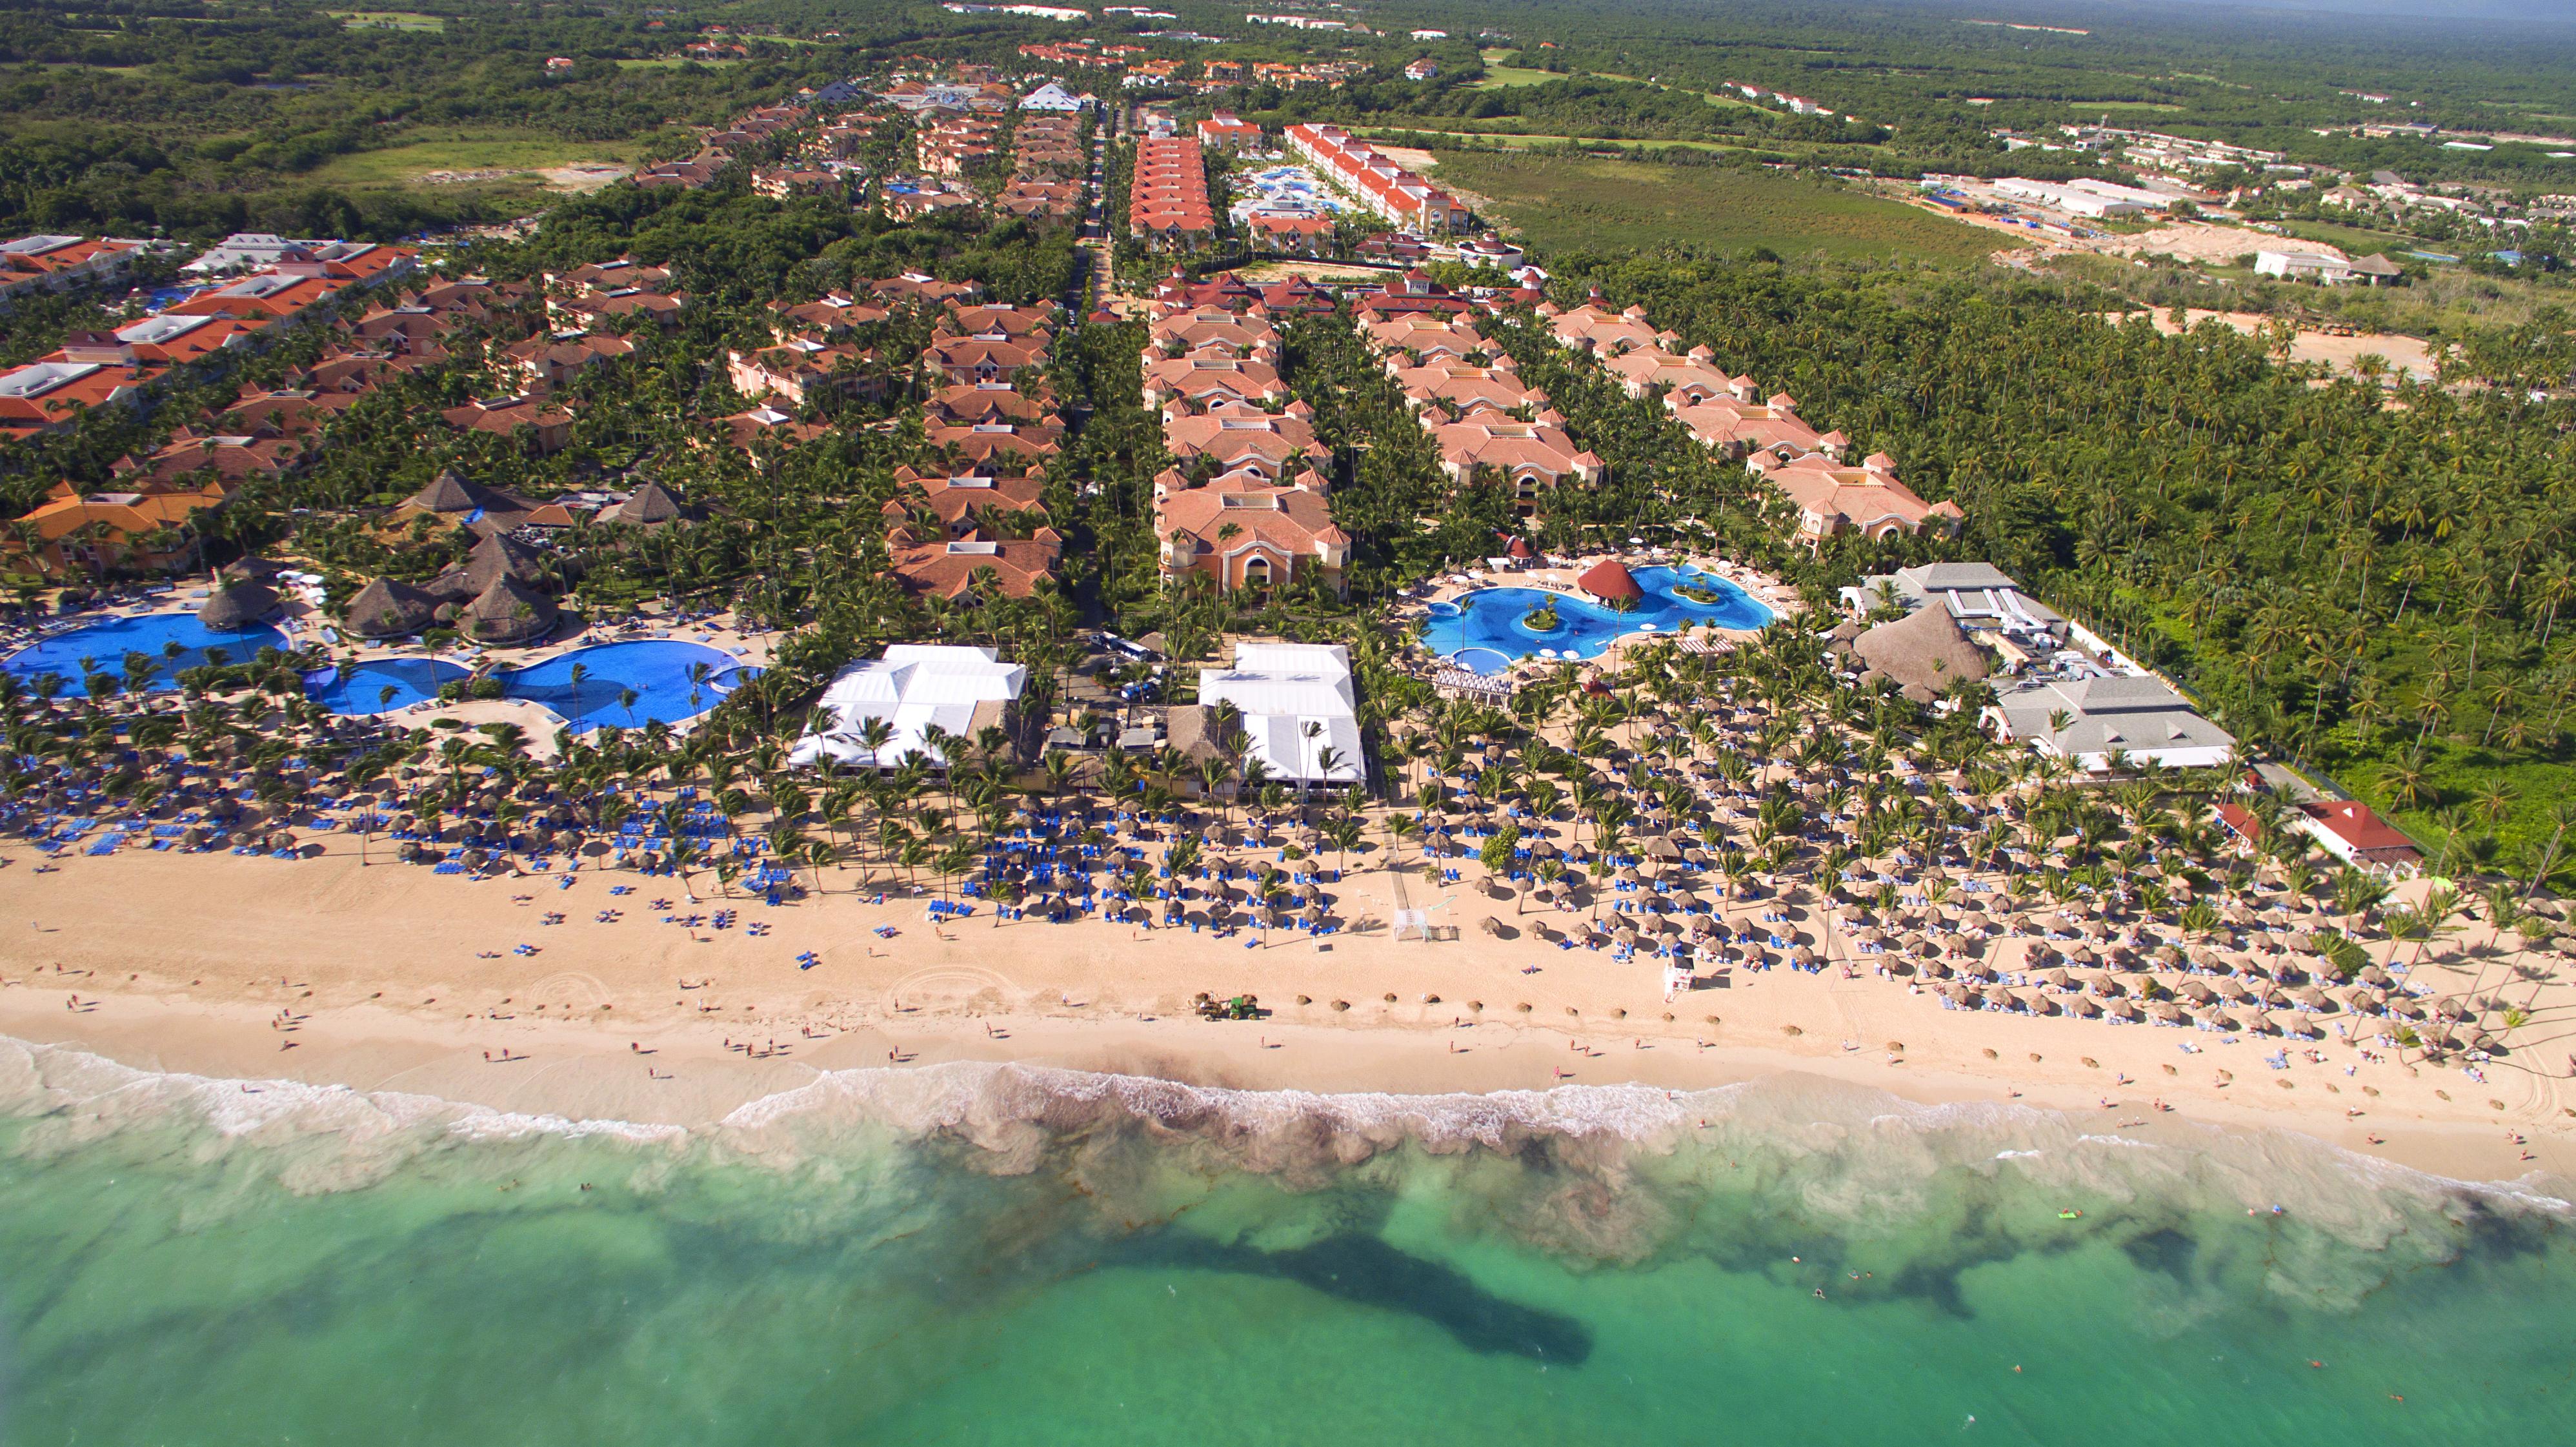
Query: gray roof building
x: 2136, y: 715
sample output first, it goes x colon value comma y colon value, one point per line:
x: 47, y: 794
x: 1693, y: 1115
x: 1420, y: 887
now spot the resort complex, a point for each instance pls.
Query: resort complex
x: 979, y: 535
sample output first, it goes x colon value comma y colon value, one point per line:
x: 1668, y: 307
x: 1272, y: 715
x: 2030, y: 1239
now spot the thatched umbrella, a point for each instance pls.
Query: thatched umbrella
x: 2083, y: 1008
x: 1491, y: 926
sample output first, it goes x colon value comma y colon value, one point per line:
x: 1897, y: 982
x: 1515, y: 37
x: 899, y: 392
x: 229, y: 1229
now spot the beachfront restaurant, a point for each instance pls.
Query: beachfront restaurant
x: 915, y: 689
x: 1295, y: 702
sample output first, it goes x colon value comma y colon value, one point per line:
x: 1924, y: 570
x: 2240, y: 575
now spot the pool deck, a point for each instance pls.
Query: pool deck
x: 302, y: 623
x: 1770, y: 592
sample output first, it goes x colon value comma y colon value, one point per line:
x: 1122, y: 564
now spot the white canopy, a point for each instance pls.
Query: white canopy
x: 914, y: 688
x: 1296, y: 700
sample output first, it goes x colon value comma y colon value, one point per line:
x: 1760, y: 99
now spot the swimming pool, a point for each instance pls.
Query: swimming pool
x: 174, y: 641
x: 1482, y: 630
x: 658, y: 671
x: 360, y: 688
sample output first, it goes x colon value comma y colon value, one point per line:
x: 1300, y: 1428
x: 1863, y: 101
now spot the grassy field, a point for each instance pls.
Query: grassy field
x: 1523, y: 140
x: 671, y: 62
x: 1497, y: 77
x: 393, y: 19
x: 2351, y: 238
x: 1600, y: 204
x: 515, y: 153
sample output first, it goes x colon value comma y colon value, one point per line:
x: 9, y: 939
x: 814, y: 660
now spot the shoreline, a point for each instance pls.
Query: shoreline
x: 378, y: 979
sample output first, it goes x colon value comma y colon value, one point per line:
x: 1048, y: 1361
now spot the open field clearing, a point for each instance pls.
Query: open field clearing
x: 2408, y: 354
x: 1593, y: 203
x: 472, y: 159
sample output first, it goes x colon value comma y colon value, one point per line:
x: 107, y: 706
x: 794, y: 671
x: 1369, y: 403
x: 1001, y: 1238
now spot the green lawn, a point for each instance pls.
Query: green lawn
x: 2351, y: 238
x: 1523, y: 140
x: 1498, y: 76
x: 2121, y: 105
x: 671, y: 62
x: 516, y: 153
x: 1591, y: 203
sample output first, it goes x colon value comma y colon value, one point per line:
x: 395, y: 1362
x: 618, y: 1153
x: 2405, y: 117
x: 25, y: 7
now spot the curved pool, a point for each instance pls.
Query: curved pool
x: 1482, y: 631
x: 174, y: 641
x: 661, y: 673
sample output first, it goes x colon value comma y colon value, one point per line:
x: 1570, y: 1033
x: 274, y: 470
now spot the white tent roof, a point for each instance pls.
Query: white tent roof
x: 914, y: 687
x: 1281, y: 689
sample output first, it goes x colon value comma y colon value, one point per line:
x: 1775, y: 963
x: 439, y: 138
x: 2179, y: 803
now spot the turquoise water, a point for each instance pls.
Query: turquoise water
x: 106, y: 643
x: 1482, y: 629
x: 656, y: 669
x: 980, y: 1255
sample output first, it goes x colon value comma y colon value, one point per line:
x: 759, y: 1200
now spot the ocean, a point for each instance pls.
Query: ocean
x: 995, y: 1254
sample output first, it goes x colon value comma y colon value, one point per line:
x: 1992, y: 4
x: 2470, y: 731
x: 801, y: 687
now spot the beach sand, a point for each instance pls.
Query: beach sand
x: 388, y: 977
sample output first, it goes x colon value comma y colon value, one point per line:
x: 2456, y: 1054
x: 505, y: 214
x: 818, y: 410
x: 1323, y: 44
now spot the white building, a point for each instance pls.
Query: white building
x: 247, y: 251
x: 914, y: 688
x: 2086, y: 197
x: 1054, y: 97
x: 1295, y: 700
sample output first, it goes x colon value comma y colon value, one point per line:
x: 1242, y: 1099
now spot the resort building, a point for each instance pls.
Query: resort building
x: 1832, y: 500
x: 1596, y: 331
x: 1202, y: 380
x: 1360, y: 169
x: 934, y: 563
x: 1735, y: 427
x: 2090, y: 720
x: 1534, y: 457
x: 1296, y: 710
x: 98, y: 533
x: 59, y: 263
x: 928, y: 696
x: 1680, y: 381
x: 965, y: 501
x: 1246, y: 534
x: 1234, y: 442
x: 1981, y: 597
x: 2348, y: 830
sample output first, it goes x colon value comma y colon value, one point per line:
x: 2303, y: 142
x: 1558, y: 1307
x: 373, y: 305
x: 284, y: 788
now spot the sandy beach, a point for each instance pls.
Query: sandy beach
x: 384, y: 977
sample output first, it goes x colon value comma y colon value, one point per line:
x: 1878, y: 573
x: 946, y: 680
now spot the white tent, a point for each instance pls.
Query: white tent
x: 1295, y: 700
x: 914, y: 688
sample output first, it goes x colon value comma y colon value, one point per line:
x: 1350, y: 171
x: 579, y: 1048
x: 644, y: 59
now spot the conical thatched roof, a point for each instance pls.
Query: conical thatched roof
x: 508, y: 611
x: 239, y: 605
x: 497, y: 556
x: 1609, y: 581
x: 647, y: 505
x: 450, y: 492
x: 1922, y: 651
x: 387, y: 609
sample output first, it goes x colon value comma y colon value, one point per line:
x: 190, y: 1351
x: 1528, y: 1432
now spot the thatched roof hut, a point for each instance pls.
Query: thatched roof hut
x: 451, y: 492
x: 493, y: 558
x: 238, y: 605
x: 1922, y: 652
x: 387, y: 609
x: 649, y: 505
x: 508, y: 611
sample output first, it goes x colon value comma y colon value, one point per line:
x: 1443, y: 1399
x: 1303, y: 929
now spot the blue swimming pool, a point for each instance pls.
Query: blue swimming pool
x: 173, y: 641
x: 381, y: 685
x: 658, y: 671
x: 1482, y: 630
